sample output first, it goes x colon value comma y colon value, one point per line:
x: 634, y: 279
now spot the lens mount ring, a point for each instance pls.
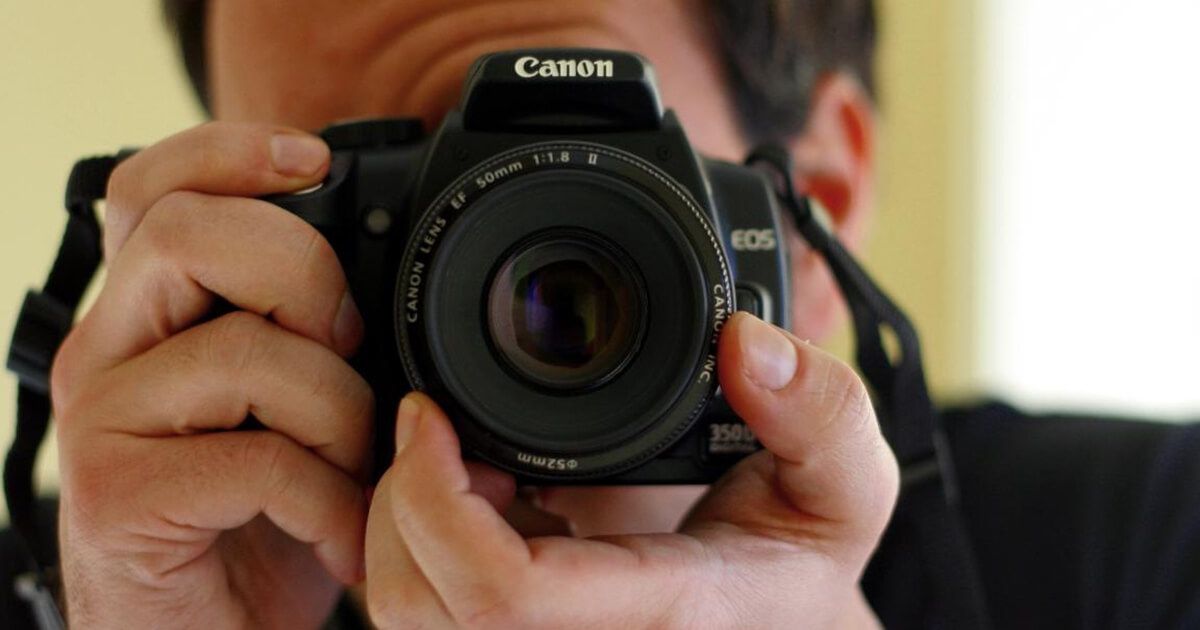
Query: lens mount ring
x: 423, y: 315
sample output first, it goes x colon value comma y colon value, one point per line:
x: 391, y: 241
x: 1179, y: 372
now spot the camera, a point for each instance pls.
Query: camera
x: 553, y: 266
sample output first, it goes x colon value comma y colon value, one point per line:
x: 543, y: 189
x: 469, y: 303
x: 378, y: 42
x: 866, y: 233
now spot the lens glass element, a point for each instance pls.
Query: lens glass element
x: 566, y: 312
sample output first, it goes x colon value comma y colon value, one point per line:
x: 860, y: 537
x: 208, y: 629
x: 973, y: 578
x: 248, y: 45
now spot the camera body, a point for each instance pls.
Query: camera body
x: 554, y: 267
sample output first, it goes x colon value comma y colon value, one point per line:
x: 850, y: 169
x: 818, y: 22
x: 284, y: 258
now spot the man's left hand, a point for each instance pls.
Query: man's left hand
x: 779, y: 541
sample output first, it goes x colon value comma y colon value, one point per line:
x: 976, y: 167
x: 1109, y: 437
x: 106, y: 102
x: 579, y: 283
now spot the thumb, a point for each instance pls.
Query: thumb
x: 827, y: 457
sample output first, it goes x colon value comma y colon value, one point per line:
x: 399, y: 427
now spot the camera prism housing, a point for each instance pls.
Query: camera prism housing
x: 554, y: 267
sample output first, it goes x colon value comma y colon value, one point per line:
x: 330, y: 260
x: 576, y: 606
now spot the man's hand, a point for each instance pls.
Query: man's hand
x: 169, y: 518
x: 779, y: 542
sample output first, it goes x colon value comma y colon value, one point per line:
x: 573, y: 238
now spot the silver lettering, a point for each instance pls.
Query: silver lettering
x: 429, y: 239
x: 549, y: 463
x: 497, y: 174
x: 710, y: 366
x: 528, y: 67
x: 753, y: 240
x: 731, y: 437
x: 720, y: 309
x: 524, y: 67
x: 412, y: 293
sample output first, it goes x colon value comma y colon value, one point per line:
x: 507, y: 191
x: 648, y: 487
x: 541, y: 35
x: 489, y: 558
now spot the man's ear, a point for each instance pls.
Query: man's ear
x: 834, y: 163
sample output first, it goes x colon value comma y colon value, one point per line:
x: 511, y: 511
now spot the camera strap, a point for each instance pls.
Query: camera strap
x: 45, y: 318
x: 924, y: 572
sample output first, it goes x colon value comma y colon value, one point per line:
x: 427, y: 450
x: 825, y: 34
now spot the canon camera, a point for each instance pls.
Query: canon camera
x: 554, y: 266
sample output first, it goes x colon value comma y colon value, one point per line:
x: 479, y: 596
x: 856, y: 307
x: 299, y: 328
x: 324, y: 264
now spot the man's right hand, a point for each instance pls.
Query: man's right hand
x: 168, y: 516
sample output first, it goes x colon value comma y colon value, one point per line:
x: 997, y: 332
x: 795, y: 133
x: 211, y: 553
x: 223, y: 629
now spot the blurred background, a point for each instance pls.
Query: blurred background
x: 1039, y: 214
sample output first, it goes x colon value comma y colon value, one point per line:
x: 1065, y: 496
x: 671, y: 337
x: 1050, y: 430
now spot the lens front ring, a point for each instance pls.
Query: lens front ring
x: 683, y: 232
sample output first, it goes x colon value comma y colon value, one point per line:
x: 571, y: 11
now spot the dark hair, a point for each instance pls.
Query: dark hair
x: 186, y: 20
x: 774, y: 52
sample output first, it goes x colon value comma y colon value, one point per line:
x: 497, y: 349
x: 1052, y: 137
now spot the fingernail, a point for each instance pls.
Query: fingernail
x: 407, y: 419
x: 770, y: 357
x: 297, y: 155
x: 347, y: 326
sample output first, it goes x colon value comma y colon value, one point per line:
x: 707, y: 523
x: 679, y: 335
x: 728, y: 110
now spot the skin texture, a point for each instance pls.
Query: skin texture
x: 170, y: 520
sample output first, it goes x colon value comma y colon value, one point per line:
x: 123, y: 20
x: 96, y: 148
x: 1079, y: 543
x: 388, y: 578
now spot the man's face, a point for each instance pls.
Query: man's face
x: 307, y: 63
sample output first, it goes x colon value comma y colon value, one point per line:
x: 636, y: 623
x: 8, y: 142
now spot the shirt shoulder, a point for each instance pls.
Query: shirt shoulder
x: 1081, y: 521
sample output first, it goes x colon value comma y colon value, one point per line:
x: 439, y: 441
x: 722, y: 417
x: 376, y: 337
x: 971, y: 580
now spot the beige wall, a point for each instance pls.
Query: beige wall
x: 921, y: 248
x: 76, y: 78
x: 85, y: 77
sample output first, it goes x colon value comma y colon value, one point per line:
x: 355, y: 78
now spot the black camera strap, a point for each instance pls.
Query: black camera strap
x: 45, y: 318
x: 924, y: 572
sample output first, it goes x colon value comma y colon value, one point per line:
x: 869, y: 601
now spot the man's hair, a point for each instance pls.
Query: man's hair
x: 774, y: 52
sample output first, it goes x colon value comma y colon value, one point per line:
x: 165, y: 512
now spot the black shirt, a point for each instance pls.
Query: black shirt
x: 1080, y: 523
x: 1075, y: 522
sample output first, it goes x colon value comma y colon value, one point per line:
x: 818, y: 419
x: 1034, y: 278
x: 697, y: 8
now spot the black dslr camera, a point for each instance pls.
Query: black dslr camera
x: 554, y: 266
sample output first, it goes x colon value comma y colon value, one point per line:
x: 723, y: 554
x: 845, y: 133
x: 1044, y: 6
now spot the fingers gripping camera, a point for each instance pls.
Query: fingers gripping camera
x: 554, y: 266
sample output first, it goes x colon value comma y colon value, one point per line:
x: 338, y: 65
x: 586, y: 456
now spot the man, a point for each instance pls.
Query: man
x: 170, y: 519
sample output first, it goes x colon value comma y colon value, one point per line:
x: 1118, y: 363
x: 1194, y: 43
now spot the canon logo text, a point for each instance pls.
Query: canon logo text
x: 530, y: 67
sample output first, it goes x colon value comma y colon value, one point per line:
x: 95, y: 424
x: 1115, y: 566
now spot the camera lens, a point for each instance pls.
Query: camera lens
x: 561, y: 301
x: 565, y: 313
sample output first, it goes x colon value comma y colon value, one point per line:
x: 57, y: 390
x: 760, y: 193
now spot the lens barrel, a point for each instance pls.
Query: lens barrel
x: 561, y: 301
